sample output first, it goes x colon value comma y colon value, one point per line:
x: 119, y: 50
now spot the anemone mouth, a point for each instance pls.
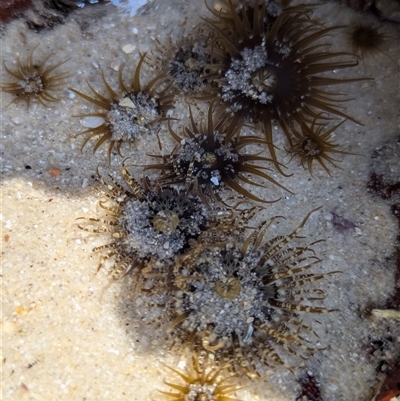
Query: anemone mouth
x: 311, y: 147
x: 264, y: 79
x: 363, y: 36
x: 32, y: 84
x: 192, y: 64
x: 209, y: 158
x: 228, y: 287
x: 166, y: 221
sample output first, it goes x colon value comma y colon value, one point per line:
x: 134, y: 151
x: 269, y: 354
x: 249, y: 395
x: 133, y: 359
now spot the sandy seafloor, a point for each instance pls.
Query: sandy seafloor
x: 67, y: 333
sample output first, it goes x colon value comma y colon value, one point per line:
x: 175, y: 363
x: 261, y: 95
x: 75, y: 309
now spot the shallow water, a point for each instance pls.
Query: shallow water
x: 67, y: 333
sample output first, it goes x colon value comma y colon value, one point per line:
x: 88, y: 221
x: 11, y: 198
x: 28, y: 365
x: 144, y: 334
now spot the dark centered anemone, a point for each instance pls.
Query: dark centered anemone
x: 187, y: 65
x: 366, y: 39
x: 185, y: 59
x: 267, y: 67
x: 315, y: 145
x: 242, y: 297
x: 210, y: 157
x: 147, y: 224
x: 129, y: 114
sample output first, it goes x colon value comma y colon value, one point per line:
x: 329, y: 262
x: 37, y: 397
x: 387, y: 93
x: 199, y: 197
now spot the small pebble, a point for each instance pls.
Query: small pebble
x: 128, y: 49
x: 126, y: 102
x: 214, y: 180
x: 115, y: 65
x: 54, y: 172
x: 92, y: 122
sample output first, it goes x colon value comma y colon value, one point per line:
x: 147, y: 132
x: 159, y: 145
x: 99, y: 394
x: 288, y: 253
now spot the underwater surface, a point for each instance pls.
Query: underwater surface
x: 70, y: 332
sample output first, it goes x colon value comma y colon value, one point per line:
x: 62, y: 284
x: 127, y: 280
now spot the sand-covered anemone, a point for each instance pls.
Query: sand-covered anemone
x: 131, y: 112
x: 239, y: 295
x: 268, y: 68
x: 202, y: 382
x: 146, y: 224
x: 185, y: 59
x: 212, y: 155
x: 35, y: 82
x: 313, y: 145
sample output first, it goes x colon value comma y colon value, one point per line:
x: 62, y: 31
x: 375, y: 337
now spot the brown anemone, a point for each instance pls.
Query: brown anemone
x: 131, y: 112
x: 35, y: 82
x: 211, y: 156
x: 268, y: 67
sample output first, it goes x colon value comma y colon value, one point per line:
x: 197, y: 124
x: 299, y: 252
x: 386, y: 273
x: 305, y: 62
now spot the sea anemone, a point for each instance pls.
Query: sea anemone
x: 202, y: 383
x: 131, y: 113
x: 243, y: 297
x: 315, y: 145
x: 366, y: 39
x: 186, y: 59
x: 210, y: 157
x: 266, y: 67
x: 35, y: 82
x: 147, y: 224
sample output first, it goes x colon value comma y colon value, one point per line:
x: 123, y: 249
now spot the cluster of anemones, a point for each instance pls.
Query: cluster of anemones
x: 234, y: 293
x: 215, y: 283
x: 266, y: 66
